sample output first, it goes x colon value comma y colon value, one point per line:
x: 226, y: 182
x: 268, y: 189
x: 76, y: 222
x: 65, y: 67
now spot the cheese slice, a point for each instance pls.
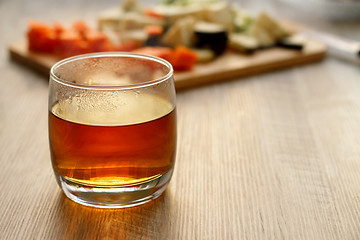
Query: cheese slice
x: 181, y: 33
x: 220, y: 13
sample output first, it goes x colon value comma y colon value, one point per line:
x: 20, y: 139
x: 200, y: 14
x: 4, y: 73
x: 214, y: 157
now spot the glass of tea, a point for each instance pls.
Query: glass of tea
x: 112, y: 128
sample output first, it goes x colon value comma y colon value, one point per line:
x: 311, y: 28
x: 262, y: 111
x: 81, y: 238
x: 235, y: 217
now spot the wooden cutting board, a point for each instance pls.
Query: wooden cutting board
x: 228, y: 66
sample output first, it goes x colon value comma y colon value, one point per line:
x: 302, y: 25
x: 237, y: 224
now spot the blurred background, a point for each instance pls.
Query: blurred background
x: 340, y: 17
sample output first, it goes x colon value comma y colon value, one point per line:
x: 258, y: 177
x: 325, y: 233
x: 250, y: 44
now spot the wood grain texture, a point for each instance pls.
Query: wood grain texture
x: 274, y: 156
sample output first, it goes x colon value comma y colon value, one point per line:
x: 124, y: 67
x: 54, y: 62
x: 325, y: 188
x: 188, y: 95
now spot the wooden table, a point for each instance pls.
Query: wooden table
x: 273, y: 156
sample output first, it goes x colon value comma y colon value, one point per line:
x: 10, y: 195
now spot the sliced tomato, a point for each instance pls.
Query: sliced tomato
x: 58, y: 28
x: 41, y: 37
x: 98, y: 41
x: 71, y: 43
x: 183, y: 58
x: 81, y: 27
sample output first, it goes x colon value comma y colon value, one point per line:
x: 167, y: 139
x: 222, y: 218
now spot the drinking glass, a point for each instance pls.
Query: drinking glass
x: 112, y: 128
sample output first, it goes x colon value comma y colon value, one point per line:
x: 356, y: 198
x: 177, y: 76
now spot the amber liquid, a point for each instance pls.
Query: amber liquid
x: 112, y: 155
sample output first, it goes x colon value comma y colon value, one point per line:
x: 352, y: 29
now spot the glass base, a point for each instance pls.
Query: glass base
x: 115, y: 197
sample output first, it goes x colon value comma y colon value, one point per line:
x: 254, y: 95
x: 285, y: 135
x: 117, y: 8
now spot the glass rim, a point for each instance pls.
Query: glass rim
x: 111, y: 54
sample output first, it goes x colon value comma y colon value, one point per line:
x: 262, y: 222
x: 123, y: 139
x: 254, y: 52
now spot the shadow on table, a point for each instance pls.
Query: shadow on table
x: 151, y: 220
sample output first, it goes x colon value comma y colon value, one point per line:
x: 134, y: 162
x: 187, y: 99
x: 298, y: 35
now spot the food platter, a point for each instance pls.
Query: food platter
x: 238, y: 44
x: 230, y: 65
